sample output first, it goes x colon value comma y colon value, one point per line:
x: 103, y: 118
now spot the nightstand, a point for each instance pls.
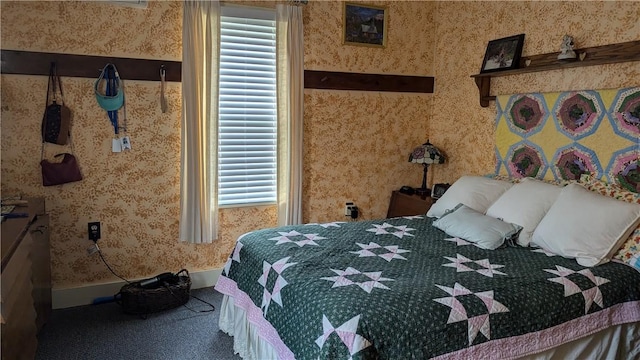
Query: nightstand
x: 406, y: 205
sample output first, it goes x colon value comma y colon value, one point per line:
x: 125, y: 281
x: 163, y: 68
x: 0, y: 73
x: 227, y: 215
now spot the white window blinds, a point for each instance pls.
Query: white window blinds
x: 247, y: 107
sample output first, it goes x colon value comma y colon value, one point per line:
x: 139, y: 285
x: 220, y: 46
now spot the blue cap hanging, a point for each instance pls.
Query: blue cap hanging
x: 112, y: 98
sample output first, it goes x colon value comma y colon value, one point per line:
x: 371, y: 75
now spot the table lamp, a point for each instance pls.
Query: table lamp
x: 426, y: 154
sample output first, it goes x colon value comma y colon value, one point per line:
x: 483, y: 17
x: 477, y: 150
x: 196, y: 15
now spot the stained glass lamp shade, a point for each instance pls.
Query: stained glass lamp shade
x: 426, y: 154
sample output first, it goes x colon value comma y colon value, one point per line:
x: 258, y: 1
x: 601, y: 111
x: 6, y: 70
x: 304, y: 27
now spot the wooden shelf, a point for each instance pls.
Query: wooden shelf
x: 598, y: 55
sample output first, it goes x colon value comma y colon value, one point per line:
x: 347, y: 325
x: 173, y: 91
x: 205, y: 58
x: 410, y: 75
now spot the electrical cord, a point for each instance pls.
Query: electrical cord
x: 213, y: 308
x: 109, y: 267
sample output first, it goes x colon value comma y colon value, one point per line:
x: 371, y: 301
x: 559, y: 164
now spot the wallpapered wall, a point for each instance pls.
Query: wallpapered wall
x: 463, y: 30
x: 356, y: 143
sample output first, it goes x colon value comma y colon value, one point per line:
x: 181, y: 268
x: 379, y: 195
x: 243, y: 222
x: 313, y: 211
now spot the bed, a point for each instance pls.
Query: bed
x: 404, y: 288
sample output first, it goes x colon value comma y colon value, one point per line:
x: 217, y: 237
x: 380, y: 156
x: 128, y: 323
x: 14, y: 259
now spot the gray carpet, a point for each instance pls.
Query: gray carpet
x: 105, y: 332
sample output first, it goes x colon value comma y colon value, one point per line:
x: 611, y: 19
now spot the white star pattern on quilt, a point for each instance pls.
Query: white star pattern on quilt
x: 393, y: 251
x: 285, y: 237
x: 278, y: 266
x: 368, y: 285
x: 400, y: 231
x: 543, y: 251
x: 235, y: 256
x: 591, y: 295
x: 459, y: 263
x: 475, y: 324
x: 347, y: 334
x: 459, y: 242
x: 328, y: 225
x: 413, y: 217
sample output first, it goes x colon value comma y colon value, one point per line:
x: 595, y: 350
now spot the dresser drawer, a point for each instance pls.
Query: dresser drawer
x: 17, y: 271
x: 25, y: 299
x: 407, y: 205
x: 18, y: 314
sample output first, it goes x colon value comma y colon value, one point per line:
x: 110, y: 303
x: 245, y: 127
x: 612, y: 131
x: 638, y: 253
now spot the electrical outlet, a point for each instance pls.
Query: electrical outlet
x: 94, y: 231
x: 347, y: 209
x: 350, y: 209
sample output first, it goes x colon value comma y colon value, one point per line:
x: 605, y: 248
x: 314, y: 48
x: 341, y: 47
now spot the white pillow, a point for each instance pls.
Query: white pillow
x: 586, y: 226
x: 466, y: 223
x: 525, y: 204
x: 477, y: 192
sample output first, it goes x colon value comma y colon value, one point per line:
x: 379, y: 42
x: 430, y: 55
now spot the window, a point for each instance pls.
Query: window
x: 247, y: 140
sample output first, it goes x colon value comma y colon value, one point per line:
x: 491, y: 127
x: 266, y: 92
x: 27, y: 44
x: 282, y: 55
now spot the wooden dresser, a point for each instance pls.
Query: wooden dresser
x: 26, y: 280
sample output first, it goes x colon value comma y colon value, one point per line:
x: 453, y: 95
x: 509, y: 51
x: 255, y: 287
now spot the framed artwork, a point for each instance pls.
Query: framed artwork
x: 503, y: 54
x: 364, y: 25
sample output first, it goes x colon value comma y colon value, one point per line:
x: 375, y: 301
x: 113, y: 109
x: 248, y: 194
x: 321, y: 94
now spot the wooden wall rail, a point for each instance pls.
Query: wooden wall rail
x: 37, y: 63
x: 89, y: 66
x: 367, y: 82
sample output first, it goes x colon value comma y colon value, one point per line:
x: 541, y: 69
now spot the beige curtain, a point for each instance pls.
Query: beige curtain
x: 198, y: 162
x: 290, y: 71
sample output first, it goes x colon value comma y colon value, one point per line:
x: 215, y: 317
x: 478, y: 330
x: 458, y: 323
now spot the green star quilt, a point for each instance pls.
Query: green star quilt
x: 402, y: 289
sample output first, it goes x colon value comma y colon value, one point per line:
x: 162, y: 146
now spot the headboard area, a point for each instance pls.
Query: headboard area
x: 563, y: 135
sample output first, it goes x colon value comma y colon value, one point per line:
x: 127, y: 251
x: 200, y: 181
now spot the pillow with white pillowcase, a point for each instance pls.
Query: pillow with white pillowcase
x: 586, y: 226
x: 485, y: 231
x: 476, y: 192
x: 525, y: 204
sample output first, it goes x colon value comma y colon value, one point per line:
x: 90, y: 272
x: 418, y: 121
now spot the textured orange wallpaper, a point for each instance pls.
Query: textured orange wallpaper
x: 464, y: 28
x: 135, y: 194
x: 356, y: 144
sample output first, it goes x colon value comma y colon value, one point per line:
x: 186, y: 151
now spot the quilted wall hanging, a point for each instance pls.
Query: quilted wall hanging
x: 563, y: 135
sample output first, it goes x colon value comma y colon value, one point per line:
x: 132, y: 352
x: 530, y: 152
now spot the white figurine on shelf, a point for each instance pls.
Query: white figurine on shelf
x: 566, y: 49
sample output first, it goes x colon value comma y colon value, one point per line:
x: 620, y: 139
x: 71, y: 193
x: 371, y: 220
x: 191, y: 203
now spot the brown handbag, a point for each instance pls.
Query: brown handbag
x: 57, y: 173
x: 56, y: 129
x: 56, y: 121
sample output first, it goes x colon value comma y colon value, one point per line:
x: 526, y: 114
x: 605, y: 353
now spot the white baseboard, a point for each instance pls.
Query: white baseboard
x: 84, y: 295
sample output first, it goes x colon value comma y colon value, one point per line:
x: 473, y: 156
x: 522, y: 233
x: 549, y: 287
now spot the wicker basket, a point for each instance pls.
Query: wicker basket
x: 137, y: 300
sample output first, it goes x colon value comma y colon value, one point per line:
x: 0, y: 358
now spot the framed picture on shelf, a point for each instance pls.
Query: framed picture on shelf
x: 503, y: 54
x: 364, y: 25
